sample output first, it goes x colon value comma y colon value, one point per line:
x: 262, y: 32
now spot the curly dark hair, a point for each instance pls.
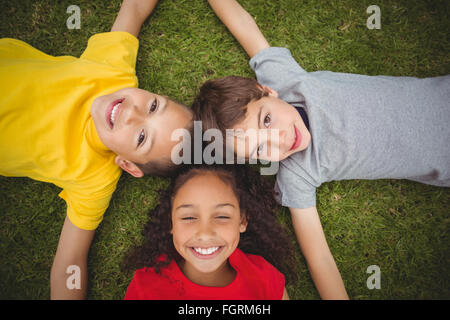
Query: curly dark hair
x: 264, y: 235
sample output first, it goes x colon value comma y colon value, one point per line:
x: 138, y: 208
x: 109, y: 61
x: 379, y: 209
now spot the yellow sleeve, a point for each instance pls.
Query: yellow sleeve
x: 118, y: 49
x: 17, y: 49
x: 86, y: 209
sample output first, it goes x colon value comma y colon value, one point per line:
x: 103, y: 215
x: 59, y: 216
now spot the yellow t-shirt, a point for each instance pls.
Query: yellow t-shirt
x: 46, y: 129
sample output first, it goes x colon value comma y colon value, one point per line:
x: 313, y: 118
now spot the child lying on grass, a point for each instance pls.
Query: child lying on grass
x: 205, y: 238
x: 76, y: 122
x: 329, y: 126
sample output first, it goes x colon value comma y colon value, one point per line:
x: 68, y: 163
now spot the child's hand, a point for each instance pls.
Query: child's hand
x: 241, y: 24
x: 132, y: 15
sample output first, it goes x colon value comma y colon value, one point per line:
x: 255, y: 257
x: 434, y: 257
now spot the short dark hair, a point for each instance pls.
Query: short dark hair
x: 222, y: 103
x: 163, y: 167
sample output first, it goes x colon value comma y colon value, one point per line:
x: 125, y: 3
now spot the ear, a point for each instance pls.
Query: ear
x: 244, y: 223
x: 272, y: 92
x: 129, y: 167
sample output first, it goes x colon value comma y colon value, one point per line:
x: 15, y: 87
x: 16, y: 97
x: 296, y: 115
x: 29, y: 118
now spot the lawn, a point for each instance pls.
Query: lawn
x: 400, y: 226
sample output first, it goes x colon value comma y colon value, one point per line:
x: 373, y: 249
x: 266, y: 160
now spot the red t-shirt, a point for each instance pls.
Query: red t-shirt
x: 256, y: 279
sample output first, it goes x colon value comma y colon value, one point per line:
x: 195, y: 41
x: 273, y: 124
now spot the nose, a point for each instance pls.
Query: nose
x: 205, y: 231
x: 277, y: 141
x: 282, y: 137
x: 276, y: 133
x: 132, y: 113
x: 285, y: 140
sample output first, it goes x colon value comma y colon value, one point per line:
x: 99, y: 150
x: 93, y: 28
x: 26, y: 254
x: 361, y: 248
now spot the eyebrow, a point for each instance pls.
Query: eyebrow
x: 220, y: 205
x: 259, y: 117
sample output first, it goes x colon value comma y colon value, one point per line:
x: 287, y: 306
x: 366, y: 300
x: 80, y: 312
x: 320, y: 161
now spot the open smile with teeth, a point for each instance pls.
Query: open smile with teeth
x: 113, y: 112
x: 206, y: 251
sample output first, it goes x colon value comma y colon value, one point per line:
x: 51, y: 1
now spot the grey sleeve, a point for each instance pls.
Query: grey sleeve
x: 276, y: 68
x: 293, y: 191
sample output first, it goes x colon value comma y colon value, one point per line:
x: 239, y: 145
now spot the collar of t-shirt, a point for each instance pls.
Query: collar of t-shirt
x: 303, y: 115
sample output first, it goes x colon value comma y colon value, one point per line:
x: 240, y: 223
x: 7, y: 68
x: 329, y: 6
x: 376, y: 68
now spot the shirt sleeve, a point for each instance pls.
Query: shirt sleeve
x: 118, y: 49
x: 86, y: 208
x: 294, y: 191
x: 276, y: 282
x: 273, y: 279
x: 147, y: 285
x: 276, y: 68
x: 133, y: 290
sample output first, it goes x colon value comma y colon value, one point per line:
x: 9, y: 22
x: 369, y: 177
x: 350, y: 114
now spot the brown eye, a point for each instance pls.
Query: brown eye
x: 267, y: 120
x: 141, y: 137
x: 154, y: 106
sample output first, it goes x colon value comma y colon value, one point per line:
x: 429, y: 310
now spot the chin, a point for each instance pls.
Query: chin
x: 206, y: 269
x: 95, y: 105
x: 300, y: 149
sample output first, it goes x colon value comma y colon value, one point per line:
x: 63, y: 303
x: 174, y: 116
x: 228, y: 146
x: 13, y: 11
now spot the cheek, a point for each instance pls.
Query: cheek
x: 121, y: 142
x: 231, y: 235
x: 273, y: 153
x: 287, y: 114
x: 107, y: 140
x: 180, y: 236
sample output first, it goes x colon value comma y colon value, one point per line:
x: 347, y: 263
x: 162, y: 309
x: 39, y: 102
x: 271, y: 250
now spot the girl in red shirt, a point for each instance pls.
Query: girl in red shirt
x: 194, y: 243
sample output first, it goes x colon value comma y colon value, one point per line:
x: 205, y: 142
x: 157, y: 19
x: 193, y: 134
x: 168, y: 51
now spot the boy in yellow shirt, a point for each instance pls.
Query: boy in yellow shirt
x: 75, y: 122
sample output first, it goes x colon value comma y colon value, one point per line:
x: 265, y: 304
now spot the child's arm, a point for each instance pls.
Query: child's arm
x: 321, y: 264
x: 132, y: 15
x: 73, y: 249
x: 241, y: 25
x: 285, y: 295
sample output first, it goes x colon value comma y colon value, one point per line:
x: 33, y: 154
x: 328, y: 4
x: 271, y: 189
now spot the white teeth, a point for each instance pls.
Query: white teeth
x: 206, y: 250
x: 113, y: 112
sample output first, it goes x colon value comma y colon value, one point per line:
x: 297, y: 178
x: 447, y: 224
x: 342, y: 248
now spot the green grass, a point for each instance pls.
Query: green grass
x: 401, y: 226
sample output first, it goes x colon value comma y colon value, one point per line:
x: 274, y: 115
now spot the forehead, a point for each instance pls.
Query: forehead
x: 175, y: 116
x: 204, y: 189
x: 160, y: 129
x: 244, y: 135
x: 211, y: 180
x: 251, y: 116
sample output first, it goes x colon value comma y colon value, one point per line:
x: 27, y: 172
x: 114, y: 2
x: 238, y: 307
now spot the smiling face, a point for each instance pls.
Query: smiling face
x: 206, y: 224
x: 137, y: 124
x: 286, y: 132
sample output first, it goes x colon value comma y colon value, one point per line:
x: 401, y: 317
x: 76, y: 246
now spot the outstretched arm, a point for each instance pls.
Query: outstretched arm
x: 241, y: 25
x: 321, y: 264
x: 72, y: 252
x: 132, y: 15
